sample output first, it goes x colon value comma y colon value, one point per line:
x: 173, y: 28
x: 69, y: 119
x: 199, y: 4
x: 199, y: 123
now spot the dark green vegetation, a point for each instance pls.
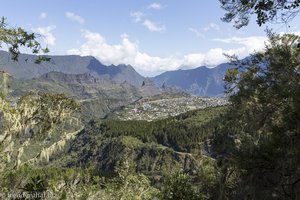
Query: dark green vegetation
x: 258, y: 144
x: 182, y: 133
x: 148, y: 144
x: 75, y: 183
x: 108, y: 155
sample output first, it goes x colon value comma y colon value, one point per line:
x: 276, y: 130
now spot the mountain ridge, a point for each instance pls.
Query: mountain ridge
x: 201, y: 81
x: 26, y: 68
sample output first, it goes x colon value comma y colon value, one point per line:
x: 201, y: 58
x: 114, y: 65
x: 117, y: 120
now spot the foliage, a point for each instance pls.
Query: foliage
x: 182, y: 133
x: 35, y: 188
x: 61, y: 183
x: 181, y: 185
x: 15, y: 38
x: 257, y: 145
x: 34, y: 117
x: 156, y: 147
x: 72, y: 183
x: 178, y: 186
x: 240, y: 11
x: 128, y: 185
x: 92, y: 147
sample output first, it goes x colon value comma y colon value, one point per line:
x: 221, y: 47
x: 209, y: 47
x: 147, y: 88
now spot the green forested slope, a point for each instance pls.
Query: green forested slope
x: 154, y: 147
x: 105, y: 155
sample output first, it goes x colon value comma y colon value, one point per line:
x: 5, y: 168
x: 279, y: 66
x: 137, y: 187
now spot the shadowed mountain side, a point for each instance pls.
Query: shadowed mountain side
x: 149, y: 88
x: 118, y: 73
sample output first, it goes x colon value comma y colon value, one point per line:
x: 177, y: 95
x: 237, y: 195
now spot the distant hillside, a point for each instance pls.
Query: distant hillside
x: 25, y: 68
x: 98, y: 96
x: 201, y: 81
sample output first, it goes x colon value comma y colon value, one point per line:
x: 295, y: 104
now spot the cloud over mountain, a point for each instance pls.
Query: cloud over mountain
x: 128, y: 52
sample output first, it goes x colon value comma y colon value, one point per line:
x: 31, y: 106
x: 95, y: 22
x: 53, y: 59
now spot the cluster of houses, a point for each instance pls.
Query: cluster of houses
x: 163, y: 108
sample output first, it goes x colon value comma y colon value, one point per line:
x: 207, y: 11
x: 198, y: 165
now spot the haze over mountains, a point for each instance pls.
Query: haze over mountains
x: 201, y: 81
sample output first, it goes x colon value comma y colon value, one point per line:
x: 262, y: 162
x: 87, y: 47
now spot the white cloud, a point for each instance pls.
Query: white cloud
x: 137, y: 16
x: 46, y: 34
x: 201, y: 32
x: 97, y: 46
x: 197, y: 32
x: 151, y: 26
x: 128, y: 52
x: 211, y: 26
x: 74, y: 17
x: 250, y: 43
x: 43, y: 15
x: 155, y: 6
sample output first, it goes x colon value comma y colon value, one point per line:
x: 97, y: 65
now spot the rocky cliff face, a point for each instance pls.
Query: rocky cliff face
x: 148, y: 88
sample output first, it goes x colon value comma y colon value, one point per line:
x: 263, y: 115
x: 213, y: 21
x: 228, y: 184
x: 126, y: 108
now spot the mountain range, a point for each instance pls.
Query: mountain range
x: 26, y: 68
x: 201, y: 81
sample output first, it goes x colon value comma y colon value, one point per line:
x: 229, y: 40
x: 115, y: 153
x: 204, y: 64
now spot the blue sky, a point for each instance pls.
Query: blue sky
x: 152, y: 36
